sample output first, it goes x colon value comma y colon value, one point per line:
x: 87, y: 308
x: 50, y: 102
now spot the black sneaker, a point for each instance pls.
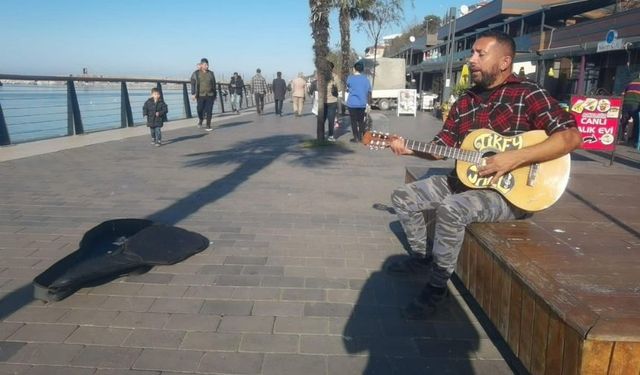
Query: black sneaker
x: 426, y: 304
x: 414, y: 265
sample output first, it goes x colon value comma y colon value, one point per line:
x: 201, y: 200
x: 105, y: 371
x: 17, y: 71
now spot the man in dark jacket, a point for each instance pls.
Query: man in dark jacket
x: 236, y: 86
x: 279, y: 87
x: 203, y: 89
x: 155, y: 110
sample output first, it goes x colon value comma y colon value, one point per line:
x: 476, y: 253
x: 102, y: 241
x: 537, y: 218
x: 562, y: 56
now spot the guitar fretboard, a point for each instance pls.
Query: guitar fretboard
x: 449, y: 152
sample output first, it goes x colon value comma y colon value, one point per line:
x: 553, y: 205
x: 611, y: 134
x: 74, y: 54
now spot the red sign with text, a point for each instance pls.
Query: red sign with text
x: 597, y: 119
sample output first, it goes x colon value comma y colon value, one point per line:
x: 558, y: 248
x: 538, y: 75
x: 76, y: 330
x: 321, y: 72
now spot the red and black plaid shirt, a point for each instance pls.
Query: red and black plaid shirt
x: 512, y: 108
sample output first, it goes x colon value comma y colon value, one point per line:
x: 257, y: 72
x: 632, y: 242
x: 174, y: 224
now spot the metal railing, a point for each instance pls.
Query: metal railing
x: 65, y: 106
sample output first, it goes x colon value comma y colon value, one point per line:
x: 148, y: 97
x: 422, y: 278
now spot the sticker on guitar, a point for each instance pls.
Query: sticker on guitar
x: 490, y: 144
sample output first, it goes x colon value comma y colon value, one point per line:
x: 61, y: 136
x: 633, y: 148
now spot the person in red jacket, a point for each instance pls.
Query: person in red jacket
x: 499, y: 101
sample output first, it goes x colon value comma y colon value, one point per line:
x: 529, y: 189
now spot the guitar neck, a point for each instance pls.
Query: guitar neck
x: 446, y: 151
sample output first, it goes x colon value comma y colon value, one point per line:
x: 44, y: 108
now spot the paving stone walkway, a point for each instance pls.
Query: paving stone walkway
x: 291, y: 284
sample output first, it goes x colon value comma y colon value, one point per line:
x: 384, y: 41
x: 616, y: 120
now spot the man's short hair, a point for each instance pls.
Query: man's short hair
x: 359, y: 66
x: 279, y: 74
x: 155, y: 89
x: 502, y: 38
x: 258, y: 70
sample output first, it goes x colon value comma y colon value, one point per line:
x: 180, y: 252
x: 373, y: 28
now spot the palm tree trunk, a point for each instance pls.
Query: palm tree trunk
x: 345, y: 46
x: 320, y: 32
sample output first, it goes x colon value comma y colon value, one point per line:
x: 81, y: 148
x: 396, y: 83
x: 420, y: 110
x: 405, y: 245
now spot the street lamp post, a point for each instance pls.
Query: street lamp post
x: 451, y: 17
x: 411, y: 39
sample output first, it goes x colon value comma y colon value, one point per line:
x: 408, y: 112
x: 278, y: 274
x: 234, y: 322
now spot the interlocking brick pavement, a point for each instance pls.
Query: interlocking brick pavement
x: 292, y: 283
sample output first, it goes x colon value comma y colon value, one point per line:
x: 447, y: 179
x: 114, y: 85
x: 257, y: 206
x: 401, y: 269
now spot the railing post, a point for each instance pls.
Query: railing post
x: 4, y: 130
x: 74, y: 120
x: 185, y: 98
x: 126, y: 116
x: 220, y: 97
x: 159, y: 86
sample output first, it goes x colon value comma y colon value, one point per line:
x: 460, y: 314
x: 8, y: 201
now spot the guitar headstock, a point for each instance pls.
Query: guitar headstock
x: 377, y: 140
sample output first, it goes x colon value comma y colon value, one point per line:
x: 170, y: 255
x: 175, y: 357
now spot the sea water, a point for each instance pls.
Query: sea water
x: 40, y: 112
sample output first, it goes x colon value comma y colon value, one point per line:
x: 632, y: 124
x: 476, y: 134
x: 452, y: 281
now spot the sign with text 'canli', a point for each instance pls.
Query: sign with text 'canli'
x: 597, y: 119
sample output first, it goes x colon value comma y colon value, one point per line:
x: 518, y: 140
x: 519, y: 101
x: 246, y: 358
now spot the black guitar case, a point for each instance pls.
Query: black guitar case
x: 113, y: 249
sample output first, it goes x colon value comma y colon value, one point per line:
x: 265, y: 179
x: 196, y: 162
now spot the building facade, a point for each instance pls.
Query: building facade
x: 570, y: 47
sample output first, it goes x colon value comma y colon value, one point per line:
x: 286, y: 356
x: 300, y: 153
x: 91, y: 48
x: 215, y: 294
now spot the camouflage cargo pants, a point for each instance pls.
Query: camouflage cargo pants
x: 453, y: 212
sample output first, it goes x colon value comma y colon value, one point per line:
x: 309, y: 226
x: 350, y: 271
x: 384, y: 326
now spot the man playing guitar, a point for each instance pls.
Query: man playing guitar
x: 499, y: 101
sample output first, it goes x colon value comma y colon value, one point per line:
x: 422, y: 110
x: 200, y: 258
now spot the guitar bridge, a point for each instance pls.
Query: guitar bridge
x: 533, y: 174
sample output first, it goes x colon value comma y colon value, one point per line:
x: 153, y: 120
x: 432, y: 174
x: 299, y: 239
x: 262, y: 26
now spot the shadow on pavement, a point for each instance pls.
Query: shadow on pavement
x: 250, y: 157
x: 396, y: 345
x: 232, y: 124
x: 184, y: 138
x: 612, y: 218
x: 448, y: 342
x: 15, y: 300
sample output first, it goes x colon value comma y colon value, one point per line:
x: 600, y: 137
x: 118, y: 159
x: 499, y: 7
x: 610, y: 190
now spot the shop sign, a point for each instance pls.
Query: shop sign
x: 597, y: 119
x: 610, y: 42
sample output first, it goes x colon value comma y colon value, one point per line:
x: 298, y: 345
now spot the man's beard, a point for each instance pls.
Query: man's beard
x: 487, y: 78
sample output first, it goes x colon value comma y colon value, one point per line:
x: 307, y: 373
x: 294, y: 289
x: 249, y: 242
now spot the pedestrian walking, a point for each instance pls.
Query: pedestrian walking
x: 279, y: 87
x: 236, y: 86
x: 630, y: 110
x: 259, y: 88
x: 359, y: 89
x: 155, y: 110
x: 203, y: 89
x: 331, y: 103
x: 298, y: 88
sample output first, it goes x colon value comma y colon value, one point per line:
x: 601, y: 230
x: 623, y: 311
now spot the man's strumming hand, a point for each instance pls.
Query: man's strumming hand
x: 499, y: 164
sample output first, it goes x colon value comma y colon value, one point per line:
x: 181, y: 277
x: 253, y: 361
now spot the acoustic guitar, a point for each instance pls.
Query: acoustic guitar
x: 532, y: 187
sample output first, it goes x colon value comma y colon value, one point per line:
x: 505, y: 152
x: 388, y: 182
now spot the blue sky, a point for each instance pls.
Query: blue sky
x: 165, y: 38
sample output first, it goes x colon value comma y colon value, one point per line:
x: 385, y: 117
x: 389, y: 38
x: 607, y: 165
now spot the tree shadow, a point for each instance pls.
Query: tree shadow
x: 184, y: 138
x: 250, y: 157
x: 233, y: 124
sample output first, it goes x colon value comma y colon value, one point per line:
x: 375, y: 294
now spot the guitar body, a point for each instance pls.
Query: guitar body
x: 533, y: 187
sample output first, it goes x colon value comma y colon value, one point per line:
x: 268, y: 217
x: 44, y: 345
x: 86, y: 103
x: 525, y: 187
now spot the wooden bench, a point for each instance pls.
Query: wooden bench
x: 562, y: 309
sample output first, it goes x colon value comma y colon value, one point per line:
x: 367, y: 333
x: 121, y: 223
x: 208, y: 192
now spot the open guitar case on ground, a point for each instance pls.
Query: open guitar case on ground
x: 113, y: 249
